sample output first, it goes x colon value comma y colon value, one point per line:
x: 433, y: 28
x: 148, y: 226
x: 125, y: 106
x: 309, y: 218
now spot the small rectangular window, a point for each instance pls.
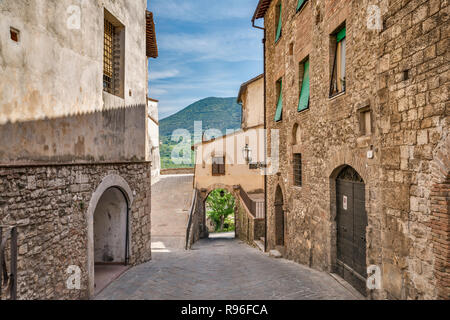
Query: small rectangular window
x: 279, y: 111
x: 303, y: 103
x: 365, y: 122
x: 278, y: 20
x: 338, y: 81
x: 14, y: 34
x: 301, y: 4
x: 297, y: 169
x: 218, y: 166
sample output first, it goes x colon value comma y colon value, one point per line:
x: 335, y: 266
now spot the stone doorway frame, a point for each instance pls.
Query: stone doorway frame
x: 111, y: 181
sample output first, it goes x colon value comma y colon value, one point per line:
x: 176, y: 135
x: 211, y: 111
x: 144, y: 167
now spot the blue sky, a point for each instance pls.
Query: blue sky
x: 207, y: 48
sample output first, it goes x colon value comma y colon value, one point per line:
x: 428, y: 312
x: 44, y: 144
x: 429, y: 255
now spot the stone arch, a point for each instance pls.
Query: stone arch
x: 344, y: 158
x: 440, y: 216
x: 349, y: 185
x: 108, y: 182
x: 204, y: 194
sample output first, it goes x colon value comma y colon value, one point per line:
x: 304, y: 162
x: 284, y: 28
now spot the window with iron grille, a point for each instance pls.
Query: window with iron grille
x: 297, y: 169
x: 108, y: 58
x: 113, y: 56
x: 218, y: 166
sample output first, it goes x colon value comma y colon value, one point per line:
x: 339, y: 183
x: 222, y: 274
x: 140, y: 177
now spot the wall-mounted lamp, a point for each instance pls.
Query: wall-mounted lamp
x: 247, y: 153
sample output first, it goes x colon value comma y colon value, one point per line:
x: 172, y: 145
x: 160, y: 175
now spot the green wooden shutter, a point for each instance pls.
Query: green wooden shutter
x: 300, y: 3
x: 304, y: 95
x: 279, y: 112
x: 341, y: 35
x: 279, y: 27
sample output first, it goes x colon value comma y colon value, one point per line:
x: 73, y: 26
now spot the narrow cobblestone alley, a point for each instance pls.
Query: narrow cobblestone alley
x: 223, y: 269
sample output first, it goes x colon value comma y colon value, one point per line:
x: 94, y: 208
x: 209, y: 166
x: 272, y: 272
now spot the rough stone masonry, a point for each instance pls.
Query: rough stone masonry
x: 399, y: 73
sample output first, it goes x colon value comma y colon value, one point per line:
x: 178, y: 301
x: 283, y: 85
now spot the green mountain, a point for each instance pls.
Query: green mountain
x: 215, y: 113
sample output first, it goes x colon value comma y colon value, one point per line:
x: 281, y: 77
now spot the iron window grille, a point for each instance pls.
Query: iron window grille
x: 297, y: 169
x: 108, y: 58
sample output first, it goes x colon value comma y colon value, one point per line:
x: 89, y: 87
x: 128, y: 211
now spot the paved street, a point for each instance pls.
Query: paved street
x: 171, y: 201
x: 221, y: 269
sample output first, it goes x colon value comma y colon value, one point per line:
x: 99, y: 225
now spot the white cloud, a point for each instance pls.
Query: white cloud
x: 160, y: 75
x: 203, y: 10
x: 228, y: 46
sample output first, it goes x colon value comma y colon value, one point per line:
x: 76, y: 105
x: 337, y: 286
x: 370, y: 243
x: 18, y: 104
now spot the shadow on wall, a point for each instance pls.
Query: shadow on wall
x: 100, y: 136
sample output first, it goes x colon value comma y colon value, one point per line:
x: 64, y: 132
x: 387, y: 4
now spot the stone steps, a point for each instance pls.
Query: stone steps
x: 259, y: 244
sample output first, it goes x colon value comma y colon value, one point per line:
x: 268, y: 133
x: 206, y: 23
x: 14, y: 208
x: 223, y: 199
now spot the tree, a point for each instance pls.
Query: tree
x: 220, y: 206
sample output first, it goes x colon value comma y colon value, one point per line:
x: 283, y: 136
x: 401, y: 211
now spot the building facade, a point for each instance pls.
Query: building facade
x: 358, y: 91
x: 233, y: 162
x: 75, y: 166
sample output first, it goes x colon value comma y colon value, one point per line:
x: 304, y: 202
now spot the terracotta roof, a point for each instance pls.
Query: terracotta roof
x: 261, y: 9
x: 245, y: 85
x: 152, y: 46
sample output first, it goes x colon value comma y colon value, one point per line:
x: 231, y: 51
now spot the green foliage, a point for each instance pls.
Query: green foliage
x: 220, y: 209
x: 215, y: 113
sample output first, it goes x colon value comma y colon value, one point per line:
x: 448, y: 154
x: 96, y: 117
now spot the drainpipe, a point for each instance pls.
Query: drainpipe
x: 265, y: 136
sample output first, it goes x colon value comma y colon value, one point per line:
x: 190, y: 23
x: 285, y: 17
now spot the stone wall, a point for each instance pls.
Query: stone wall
x: 113, y: 135
x: 409, y: 117
x: 56, y: 67
x: 248, y: 228
x: 54, y: 204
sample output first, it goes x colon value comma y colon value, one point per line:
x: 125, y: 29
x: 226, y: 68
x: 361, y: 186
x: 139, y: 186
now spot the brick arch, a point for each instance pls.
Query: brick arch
x: 440, y: 219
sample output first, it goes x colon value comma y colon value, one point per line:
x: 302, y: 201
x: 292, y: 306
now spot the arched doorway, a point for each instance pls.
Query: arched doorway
x: 351, y: 223
x: 220, y: 214
x: 279, y: 217
x: 111, y: 237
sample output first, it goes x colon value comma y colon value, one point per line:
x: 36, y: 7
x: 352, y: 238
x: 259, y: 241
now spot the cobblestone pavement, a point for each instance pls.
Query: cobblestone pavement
x: 223, y: 269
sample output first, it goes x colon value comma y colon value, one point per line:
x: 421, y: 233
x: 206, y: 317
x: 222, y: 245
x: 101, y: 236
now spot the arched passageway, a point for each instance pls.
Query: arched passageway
x: 279, y: 217
x: 220, y: 211
x: 111, y: 237
x: 351, y: 225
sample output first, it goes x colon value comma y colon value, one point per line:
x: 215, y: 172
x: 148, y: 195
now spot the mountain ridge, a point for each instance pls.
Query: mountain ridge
x: 207, y: 111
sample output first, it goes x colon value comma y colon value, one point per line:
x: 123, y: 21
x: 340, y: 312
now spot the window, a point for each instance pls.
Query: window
x: 303, y: 103
x: 279, y: 112
x: 14, y: 34
x: 113, y: 71
x: 301, y: 4
x: 338, y: 76
x: 278, y: 20
x: 218, y: 166
x: 297, y: 169
x: 365, y: 121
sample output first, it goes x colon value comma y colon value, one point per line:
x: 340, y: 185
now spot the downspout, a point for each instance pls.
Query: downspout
x: 265, y: 136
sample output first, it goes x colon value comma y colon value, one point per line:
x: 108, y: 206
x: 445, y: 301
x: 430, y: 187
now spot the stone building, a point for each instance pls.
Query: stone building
x: 233, y: 161
x: 358, y: 90
x: 75, y: 158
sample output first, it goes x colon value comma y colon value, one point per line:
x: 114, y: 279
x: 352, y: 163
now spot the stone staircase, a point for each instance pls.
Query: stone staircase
x: 277, y: 253
x: 260, y: 244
